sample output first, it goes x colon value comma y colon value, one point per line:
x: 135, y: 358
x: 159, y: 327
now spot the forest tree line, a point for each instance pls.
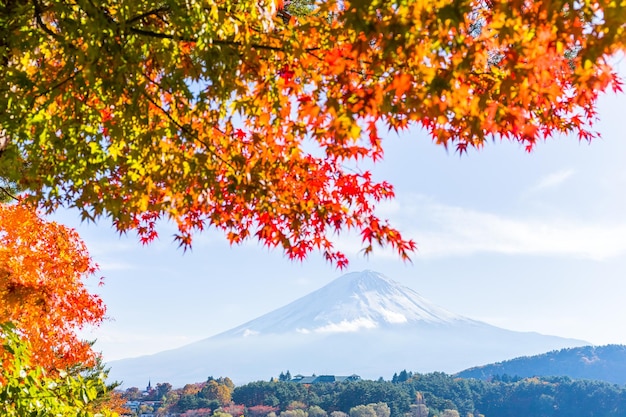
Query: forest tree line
x: 405, y: 395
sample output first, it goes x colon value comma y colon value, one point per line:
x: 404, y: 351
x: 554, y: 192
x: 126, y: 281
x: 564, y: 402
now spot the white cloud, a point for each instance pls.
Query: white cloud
x: 393, y: 317
x: 552, y: 180
x: 460, y: 231
x: 443, y: 231
x: 347, y: 326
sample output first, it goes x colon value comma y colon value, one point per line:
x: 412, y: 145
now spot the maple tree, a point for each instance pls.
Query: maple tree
x: 43, y: 267
x: 27, y: 389
x: 236, y: 115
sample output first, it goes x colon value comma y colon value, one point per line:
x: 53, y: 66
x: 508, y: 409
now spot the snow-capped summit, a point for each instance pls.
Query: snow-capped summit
x: 361, y: 323
x: 353, y: 302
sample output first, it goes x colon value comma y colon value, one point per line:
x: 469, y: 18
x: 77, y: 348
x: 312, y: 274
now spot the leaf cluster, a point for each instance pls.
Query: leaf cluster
x: 27, y: 389
x: 223, y: 114
x: 43, y: 268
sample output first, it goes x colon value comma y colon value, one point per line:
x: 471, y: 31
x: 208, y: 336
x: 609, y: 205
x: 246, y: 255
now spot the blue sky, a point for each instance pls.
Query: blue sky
x: 530, y: 242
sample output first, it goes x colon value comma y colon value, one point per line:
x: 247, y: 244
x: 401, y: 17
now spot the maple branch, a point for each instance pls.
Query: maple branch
x: 8, y: 193
x: 59, y: 84
x: 182, y: 127
x: 160, y: 35
x: 41, y: 24
x: 154, y: 12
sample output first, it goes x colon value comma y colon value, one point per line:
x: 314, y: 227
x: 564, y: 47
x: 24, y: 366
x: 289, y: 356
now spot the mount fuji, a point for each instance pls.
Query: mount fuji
x: 362, y: 323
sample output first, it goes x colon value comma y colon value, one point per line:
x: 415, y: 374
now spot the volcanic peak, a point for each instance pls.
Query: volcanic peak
x: 353, y: 302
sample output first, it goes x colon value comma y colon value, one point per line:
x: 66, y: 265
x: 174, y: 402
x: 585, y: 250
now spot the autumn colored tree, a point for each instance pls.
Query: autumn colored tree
x: 200, y: 412
x: 27, y: 389
x: 221, y: 413
x: 132, y: 394
x: 316, y: 411
x: 239, y: 115
x: 212, y: 390
x: 260, y: 410
x: 298, y: 412
x: 296, y: 405
x: 235, y: 410
x: 162, y: 389
x: 43, y: 267
x: 192, y: 389
x: 362, y: 411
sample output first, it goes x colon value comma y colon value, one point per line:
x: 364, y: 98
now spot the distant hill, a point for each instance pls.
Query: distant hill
x: 602, y: 363
x: 362, y: 323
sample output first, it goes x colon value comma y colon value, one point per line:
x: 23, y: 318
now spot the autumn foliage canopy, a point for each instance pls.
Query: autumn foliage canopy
x: 236, y: 115
x: 43, y: 267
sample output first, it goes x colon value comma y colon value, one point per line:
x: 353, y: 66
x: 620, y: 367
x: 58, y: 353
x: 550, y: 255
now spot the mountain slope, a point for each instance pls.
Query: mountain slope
x: 359, y: 300
x: 603, y: 363
x: 361, y: 323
